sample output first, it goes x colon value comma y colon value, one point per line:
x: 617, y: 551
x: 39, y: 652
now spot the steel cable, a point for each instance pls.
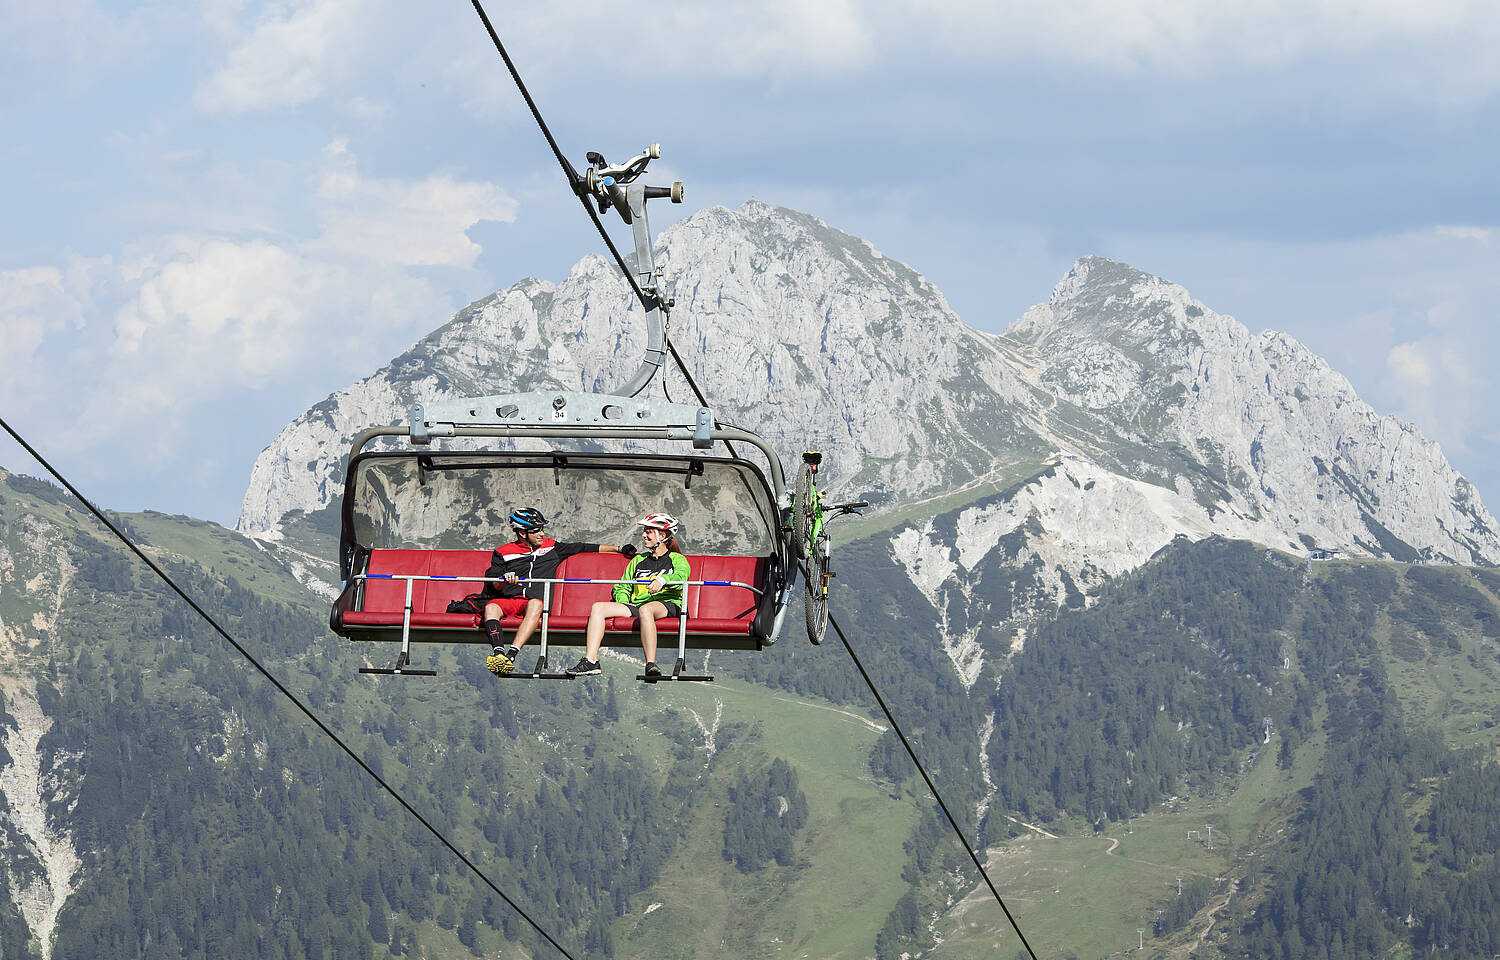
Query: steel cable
x: 930, y: 785
x: 292, y: 697
x: 573, y: 180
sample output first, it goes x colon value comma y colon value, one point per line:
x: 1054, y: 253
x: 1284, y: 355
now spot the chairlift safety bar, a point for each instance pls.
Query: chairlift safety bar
x: 411, y: 578
x: 436, y: 576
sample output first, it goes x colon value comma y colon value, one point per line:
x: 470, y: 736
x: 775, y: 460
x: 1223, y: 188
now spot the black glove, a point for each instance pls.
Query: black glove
x: 628, y: 550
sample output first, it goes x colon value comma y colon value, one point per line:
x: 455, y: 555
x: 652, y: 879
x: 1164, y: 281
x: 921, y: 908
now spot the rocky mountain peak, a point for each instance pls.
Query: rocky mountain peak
x: 1164, y: 389
x: 1102, y: 424
x: 1106, y: 302
x: 804, y: 333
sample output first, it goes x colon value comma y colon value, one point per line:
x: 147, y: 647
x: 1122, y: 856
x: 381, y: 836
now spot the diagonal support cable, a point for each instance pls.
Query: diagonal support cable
x: 295, y: 700
x: 574, y: 180
x: 968, y: 848
x: 573, y: 183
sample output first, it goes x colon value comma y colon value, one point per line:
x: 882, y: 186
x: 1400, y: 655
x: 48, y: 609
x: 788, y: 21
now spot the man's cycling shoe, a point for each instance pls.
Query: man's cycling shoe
x: 502, y: 662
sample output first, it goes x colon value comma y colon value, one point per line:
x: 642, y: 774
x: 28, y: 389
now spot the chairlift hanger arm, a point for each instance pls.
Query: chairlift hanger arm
x: 616, y: 187
x: 631, y: 206
x: 607, y: 183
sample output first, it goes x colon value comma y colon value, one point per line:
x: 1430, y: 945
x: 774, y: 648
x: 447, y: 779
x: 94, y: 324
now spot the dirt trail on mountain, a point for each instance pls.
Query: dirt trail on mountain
x: 1213, y: 915
x: 1033, y: 828
x: 878, y: 728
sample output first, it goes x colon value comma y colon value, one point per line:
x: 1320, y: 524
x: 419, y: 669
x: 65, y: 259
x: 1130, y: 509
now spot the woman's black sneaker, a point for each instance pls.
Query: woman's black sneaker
x: 583, y: 668
x: 653, y: 672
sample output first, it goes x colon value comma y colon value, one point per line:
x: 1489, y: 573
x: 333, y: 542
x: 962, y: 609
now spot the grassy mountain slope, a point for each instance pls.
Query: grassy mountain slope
x: 1380, y: 682
x: 214, y: 821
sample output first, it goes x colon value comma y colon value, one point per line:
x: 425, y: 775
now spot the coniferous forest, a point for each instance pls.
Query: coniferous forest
x: 212, y: 821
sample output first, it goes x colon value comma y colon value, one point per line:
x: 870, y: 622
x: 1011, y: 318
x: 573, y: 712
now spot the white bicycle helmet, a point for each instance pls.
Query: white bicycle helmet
x: 659, y: 521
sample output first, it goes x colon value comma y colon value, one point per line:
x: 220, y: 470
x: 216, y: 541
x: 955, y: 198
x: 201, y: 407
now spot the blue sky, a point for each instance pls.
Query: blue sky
x: 221, y: 211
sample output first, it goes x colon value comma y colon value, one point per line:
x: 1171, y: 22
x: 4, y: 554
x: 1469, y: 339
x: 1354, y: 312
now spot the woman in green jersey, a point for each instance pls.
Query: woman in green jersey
x: 650, y: 590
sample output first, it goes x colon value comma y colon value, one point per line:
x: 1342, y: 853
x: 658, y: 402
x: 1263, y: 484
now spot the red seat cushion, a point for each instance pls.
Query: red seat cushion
x: 453, y: 563
x: 385, y: 600
x: 385, y: 596
x: 386, y: 618
x: 574, y: 600
x: 726, y: 603
x: 711, y: 608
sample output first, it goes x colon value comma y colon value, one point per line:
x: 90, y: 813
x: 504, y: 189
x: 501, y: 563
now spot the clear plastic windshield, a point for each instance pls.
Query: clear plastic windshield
x: 458, y: 501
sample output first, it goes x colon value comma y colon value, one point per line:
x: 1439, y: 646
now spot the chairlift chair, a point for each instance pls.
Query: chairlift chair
x: 418, y: 525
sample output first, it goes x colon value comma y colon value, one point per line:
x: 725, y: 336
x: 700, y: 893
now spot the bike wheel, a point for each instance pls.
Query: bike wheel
x: 805, y: 502
x: 817, y: 590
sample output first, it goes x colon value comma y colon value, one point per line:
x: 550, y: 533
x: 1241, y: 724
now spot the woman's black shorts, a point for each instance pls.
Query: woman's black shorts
x: 673, y: 610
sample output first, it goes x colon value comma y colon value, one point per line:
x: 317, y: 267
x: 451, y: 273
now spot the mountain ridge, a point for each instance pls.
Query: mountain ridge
x: 1146, y: 414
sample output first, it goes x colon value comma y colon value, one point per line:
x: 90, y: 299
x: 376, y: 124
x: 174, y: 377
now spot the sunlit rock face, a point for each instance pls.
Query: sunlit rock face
x: 38, y: 785
x: 1257, y: 426
x: 1026, y: 467
x: 808, y: 336
x: 1172, y: 420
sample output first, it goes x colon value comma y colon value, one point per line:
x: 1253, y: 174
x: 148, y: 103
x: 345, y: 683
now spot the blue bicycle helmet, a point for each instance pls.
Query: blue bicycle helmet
x: 527, y: 520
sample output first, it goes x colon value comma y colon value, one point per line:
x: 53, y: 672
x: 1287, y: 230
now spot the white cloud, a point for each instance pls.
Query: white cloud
x: 34, y: 304
x: 1432, y: 378
x: 413, y: 223
x: 1195, y: 36
x: 1465, y: 232
x: 203, y: 318
x: 1409, y: 366
x: 169, y: 327
x: 351, y: 54
x: 246, y: 301
x: 288, y: 57
x: 771, y: 37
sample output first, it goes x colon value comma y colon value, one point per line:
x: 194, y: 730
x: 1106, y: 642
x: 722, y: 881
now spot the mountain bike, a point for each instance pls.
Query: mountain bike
x: 810, y: 540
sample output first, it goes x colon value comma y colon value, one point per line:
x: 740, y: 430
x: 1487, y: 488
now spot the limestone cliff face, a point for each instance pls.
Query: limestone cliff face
x: 37, y: 853
x: 802, y: 333
x: 1256, y: 425
x: 1122, y: 412
x: 1172, y: 420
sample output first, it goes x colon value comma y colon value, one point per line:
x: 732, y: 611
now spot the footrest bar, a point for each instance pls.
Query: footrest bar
x: 403, y: 667
x: 676, y: 674
x: 668, y: 678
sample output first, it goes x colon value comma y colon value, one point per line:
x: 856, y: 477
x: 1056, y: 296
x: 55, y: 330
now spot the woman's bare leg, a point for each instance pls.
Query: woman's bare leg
x: 594, y: 633
x: 650, y: 613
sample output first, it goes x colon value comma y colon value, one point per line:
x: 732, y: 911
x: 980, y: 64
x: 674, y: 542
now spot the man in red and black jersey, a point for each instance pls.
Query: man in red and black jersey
x: 532, y: 556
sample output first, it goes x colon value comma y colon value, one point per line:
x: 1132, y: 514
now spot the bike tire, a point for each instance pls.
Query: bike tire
x: 816, y: 594
x: 803, y: 505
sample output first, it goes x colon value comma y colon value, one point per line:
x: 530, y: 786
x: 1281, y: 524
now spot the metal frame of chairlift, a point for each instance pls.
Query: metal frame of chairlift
x: 574, y: 415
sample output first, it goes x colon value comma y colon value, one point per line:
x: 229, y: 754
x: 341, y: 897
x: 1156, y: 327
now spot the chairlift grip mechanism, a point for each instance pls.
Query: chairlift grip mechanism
x: 614, y: 186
